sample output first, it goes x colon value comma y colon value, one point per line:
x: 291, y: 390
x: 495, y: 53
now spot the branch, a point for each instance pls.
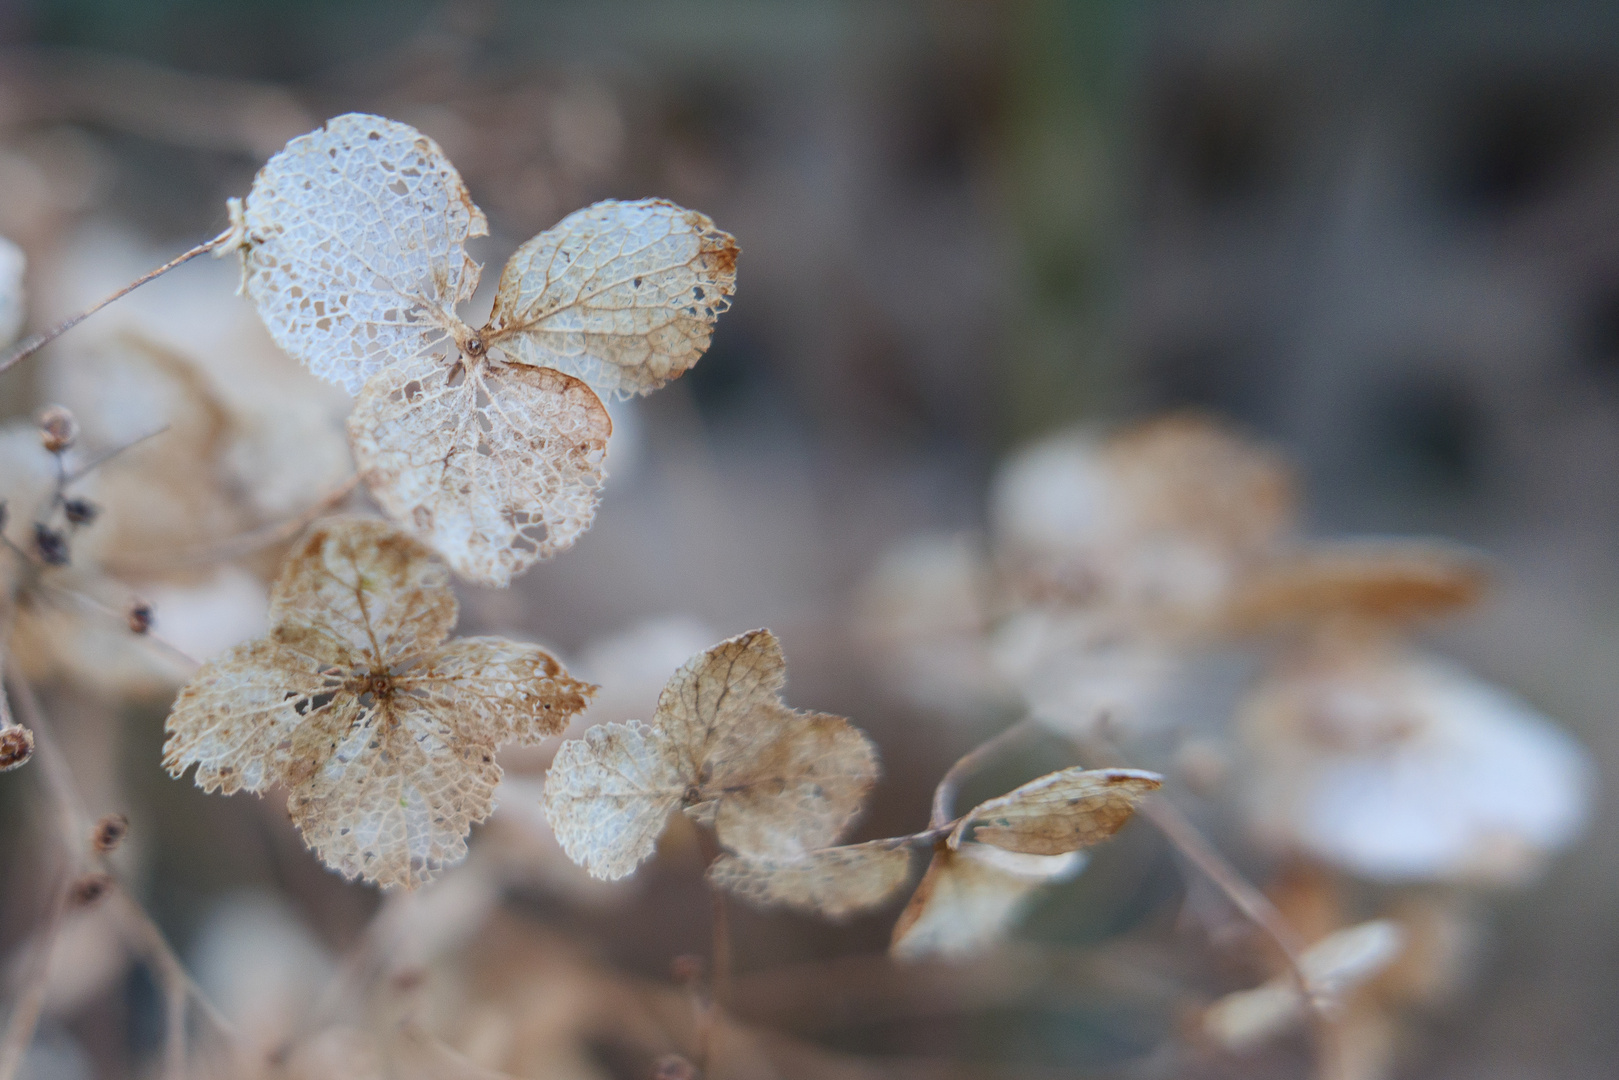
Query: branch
x: 28, y: 346
x: 944, y: 796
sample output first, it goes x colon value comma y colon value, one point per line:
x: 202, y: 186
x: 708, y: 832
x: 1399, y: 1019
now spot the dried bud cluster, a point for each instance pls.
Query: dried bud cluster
x: 58, y: 430
x: 16, y: 746
x: 109, y: 832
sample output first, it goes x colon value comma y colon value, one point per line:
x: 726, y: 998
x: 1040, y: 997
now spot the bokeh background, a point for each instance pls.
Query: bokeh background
x: 1383, y: 236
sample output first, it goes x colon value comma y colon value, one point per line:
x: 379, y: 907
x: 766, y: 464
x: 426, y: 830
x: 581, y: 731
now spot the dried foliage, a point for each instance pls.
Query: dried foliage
x: 383, y: 731
x: 971, y: 895
x: 354, y: 248
x: 773, y: 783
x: 1064, y: 811
x: 834, y: 882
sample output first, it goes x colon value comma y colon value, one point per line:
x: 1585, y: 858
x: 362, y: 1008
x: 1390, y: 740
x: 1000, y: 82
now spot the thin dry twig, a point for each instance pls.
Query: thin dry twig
x: 30, y: 345
x: 944, y: 796
x: 242, y: 544
x: 178, y: 985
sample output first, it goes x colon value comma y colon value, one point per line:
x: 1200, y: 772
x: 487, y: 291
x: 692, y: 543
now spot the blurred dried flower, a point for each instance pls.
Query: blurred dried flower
x: 1394, y: 766
x: 1335, y: 967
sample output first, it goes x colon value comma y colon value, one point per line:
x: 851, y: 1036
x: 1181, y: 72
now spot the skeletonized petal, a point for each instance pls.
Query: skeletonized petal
x: 356, y: 251
x: 719, y: 689
x: 499, y: 691
x: 358, y: 591
x: 622, y: 294
x: 835, y: 882
x: 970, y: 897
x: 495, y: 468
x: 1060, y: 812
x: 397, y: 795
x: 609, y: 794
x: 788, y: 783
x: 238, y: 718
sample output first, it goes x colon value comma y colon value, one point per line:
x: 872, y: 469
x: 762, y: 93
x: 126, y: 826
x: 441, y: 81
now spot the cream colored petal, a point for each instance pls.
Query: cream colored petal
x: 395, y: 798
x: 358, y: 592
x: 238, y: 718
x: 1063, y: 811
x: 835, y: 882
x: 499, y: 691
x: 609, y: 795
x: 719, y: 689
x: 496, y: 467
x: 787, y: 783
x: 971, y: 896
x: 356, y: 250
x: 623, y: 295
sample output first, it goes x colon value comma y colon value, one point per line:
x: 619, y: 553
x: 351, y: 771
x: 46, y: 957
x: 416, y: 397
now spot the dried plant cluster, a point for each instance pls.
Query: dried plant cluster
x: 160, y: 491
x: 1118, y: 567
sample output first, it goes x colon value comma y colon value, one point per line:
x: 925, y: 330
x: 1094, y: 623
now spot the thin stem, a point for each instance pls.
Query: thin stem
x: 944, y: 796
x: 179, y: 986
x: 31, y: 345
x: 1201, y: 853
x: 19, y: 1034
x: 242, y: 544
x: 101, y: 459
x: 720, y: 963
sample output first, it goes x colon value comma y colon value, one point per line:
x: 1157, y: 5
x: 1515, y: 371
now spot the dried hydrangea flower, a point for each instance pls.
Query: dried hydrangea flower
x: 773, y: 783
x: 383, y: 730
x: 487, y: 443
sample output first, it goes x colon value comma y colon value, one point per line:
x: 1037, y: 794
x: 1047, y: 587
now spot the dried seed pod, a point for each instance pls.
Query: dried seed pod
x: 139, y: 617
x: 58, y: 430
x: 50, y: 545
x: 109, y: 832
x: 80, y: 511
x: 89, y: 889
x: 16, y: 746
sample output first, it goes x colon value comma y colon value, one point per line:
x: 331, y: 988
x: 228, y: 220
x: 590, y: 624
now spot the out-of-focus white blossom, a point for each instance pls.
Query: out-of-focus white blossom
x: 1401, y: 768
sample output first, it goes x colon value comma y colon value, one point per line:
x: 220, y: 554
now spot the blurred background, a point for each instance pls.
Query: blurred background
x: 1382, y: 237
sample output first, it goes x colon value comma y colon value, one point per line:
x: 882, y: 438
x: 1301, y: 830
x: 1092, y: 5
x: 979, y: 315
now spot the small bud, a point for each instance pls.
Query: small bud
x: 16, y: 746
x: 109, y: 833
x: 140, y: 617
x: 80, y: 511
x: 674, y: 1067
x: 50, y: 545
x: 90, y: 888
x: 57, y: 429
